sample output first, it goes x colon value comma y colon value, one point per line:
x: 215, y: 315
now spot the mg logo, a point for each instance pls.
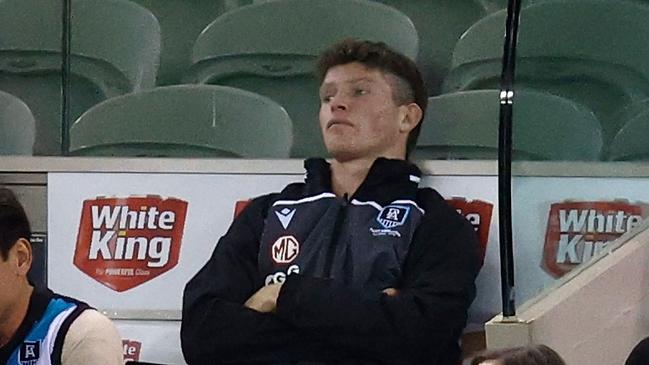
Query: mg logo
x: 285, y: 249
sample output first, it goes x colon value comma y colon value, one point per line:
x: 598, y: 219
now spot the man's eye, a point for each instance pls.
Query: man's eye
x: 326, y: 98
x: 360, y: 91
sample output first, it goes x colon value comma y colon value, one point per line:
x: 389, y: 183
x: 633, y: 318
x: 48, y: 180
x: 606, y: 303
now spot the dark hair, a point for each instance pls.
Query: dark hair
x: 528, y: 355
x: 13, y: 222
x: 409, y: 86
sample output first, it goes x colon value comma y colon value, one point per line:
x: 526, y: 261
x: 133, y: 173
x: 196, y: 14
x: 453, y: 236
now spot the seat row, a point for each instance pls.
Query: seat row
x: 569, y: 48
x: 221, y: 121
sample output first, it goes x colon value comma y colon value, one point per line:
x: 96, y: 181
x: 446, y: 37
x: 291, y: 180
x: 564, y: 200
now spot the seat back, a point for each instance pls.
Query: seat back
x: 181, y: 21
x: 114, y: 39
x: 184, y: 121
x: 440, y: 24
x: 17, y: 128
x: 631, y: 142
x: 270, y: 48
x: 590, y: 51
x: 464, y: 125
x: 114, y: 50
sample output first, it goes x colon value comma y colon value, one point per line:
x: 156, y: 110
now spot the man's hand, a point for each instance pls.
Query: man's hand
x: 265, y: 299
x: 391, y: 292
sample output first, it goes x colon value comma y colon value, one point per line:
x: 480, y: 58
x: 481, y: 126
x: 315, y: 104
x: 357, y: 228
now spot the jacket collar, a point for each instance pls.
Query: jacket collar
x: 386, y: 181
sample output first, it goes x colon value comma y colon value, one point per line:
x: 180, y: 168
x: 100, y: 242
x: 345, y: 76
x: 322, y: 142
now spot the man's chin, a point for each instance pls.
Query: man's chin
x: 344, y: 154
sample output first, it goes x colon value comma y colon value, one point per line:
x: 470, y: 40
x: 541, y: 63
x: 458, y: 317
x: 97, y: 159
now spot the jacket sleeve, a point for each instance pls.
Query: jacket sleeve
x: 420, y: 325
x: 216, y: 328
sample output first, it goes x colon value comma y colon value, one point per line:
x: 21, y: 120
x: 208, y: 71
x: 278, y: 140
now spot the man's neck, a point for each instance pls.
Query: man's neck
x: 347, y: 177
x: 11, y: 319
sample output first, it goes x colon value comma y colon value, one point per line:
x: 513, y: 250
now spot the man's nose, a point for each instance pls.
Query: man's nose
x: 338, y: 104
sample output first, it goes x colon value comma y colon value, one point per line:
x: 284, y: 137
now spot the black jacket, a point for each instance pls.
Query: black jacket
x: 335, y: 256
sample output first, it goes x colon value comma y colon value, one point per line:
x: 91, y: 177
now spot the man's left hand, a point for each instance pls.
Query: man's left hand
x: 265, y: 299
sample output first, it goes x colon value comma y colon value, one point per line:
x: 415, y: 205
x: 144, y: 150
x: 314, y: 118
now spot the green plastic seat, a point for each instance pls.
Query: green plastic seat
x: 115, y: 46
x: 630, y: 143
x: 184, y: 121
x: 592, y: 51
x: 17, y: 128
x: 181, y: 21
x: 464, y: 125
x: 440, y: 24
x: 270, y: 48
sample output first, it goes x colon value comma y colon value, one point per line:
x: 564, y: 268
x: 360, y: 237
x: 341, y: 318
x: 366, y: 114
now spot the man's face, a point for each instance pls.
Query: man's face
x: 358, y: 115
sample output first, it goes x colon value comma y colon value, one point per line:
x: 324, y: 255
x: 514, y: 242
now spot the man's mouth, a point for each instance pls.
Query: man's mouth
x: 339, y: 122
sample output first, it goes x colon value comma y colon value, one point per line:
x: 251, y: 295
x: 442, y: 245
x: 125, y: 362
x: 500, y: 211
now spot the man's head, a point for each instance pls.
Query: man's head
x: 15, y: 250
x: 372, y: 100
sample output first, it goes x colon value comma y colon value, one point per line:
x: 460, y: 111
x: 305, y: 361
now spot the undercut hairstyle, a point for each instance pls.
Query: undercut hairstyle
x: 14, y: 224
x: 406, y: 81
x: 528, y: 355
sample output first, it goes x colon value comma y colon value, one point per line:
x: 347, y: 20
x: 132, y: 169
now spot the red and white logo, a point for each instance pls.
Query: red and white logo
x: 131, y: 350
x: 577, y: 231
x: 125, y: 242
x: 478, y: 213
x: 285, y: 249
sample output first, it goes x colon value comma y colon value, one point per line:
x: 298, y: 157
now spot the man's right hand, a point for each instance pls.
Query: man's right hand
x: 265, y: 299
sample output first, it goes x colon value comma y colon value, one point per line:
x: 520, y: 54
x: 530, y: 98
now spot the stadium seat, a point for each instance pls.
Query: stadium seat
x: 270, y: 48
x: 464, y: 125
x: 16, y: 126
x: 592, y: 51
x: 184, y: 121
x: 630, y: 143
x: 440, y: 24
x: 181, y: 21
x: 115, y: 47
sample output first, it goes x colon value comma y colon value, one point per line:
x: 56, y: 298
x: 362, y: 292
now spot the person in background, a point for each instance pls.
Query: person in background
x: 640, y: 354
x: 527, y: 355
x: 37, y: 326
x: 358, y: 264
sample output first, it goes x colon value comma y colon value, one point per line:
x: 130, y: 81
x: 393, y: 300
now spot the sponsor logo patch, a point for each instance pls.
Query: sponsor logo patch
x: 131, y: 350
x: 125, y: 242
x: 285, y: 250
x: 30, y: 352
x: 577, y: 231
x: 280, y: 276
x: 393, y: 216
x: 285, y: 216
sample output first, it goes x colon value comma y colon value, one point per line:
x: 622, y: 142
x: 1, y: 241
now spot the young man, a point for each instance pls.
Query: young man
x: 356, y: 265
x: 38, y: 327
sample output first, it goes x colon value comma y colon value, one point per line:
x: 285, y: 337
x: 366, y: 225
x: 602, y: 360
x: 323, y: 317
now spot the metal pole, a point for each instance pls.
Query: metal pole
x: 505, y: 159
x: 66, y: 38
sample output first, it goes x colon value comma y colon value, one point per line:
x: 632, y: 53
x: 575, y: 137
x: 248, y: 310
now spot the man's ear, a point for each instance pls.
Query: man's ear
x: 411, y: 117
x: 23, y: 256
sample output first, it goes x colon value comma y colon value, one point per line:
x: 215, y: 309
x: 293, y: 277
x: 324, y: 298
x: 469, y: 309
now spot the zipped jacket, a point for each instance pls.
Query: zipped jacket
x: 335, y: 256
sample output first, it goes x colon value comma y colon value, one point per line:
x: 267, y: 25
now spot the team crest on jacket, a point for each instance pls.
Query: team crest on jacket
x: 30, y: 352
x: 393, y: 216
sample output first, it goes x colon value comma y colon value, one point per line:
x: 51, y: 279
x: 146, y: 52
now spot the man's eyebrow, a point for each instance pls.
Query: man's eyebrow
x: 359, y: 79
x: 351, y: 81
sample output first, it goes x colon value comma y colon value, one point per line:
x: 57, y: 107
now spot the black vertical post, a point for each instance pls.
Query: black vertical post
x: 505, y: 159
x: 66, y: 38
